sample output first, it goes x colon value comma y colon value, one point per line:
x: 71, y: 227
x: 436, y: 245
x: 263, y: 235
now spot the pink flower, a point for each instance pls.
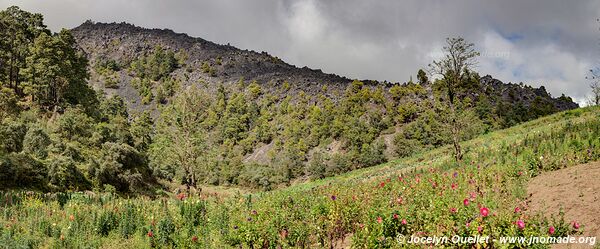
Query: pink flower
x: 466, y: 202
x: 484, y: 211
x: 517, y: 210
x: 479, y: 229
x: 395, y: 216
x: 575, y: 225
x: 399, y: 200
x: 453, y: 210
x: 404, y: 222
x: 379, y: 219
x: 361, y: 225
x: 551, y: 230
x: 521, y: 224
x: 150, y: 234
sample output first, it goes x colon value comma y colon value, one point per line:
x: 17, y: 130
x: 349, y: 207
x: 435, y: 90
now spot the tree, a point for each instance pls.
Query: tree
x: 459, y: 59
x: 18, y: 30
x: 180, y: 139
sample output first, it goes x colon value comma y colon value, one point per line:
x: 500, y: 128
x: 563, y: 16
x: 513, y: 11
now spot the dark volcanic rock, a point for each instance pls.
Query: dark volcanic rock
x: 125, y: 42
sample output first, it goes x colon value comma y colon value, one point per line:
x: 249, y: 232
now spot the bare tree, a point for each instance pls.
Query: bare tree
x: 459, y: 58
x: 595, y: 98
x: 595, y: 83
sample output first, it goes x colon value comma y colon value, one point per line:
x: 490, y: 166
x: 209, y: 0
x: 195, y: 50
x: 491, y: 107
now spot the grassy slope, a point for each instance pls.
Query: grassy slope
x: 442, y: 156
x: 368, y: 207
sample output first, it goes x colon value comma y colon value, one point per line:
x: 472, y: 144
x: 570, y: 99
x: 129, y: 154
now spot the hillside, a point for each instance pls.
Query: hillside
x: 426, y: 194
x: 119, y: 107
x: 123, y: 43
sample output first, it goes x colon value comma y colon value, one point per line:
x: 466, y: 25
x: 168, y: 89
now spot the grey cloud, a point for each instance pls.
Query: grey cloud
x: 539, y: 42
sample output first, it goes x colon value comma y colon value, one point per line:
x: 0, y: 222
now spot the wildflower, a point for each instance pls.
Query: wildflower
x: 453, y: 210
x: 254, y: 212
x: 283, y: 233
x: 517, y: 209
x: 575, y: 225
x: 194, y: 238
x: 551, y: 230
x: 379, y: 219
x: 484, y: 211
x: 395, y: 216
x: 382, y: 184
x: 466, y: 202
x: 150, y: 234
x: 455, y: 174
x: 404, y: 222
x: 454, y: 186
x: 71, y: 217
x: 399, y: 200
x: 181, y: 196
x: 479, y: 229
x: 361, y: 225
x: 333, y: 197
x: 521, y: 224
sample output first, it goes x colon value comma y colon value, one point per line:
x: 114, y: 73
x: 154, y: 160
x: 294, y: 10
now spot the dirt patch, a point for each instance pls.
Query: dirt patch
x: 576, y: 189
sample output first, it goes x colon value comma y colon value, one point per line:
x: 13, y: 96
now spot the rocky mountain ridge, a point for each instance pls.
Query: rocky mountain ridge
x: 124, y: 43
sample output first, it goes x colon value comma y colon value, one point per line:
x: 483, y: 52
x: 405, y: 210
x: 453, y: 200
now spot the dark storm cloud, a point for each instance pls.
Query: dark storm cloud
x: 538, y: 42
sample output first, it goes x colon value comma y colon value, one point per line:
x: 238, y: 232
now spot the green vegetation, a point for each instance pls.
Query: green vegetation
x: 428, y: 193
x: 153, y: 71
x: 238, y: 134
x: 58, y: 136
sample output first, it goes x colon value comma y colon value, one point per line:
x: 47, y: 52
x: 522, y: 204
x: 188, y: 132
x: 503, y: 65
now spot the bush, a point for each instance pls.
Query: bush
x: 12, y: 134
x: 121, y: 166
x: 36, y: 142
x: 21, y: 170
x: 406, y: 147
x: 64, y: 174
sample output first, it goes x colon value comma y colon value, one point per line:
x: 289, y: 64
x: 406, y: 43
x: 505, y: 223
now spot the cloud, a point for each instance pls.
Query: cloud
x: 549, y: 42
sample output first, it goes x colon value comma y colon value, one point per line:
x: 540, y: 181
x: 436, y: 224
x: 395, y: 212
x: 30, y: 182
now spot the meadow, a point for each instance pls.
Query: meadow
x: 425, y: 194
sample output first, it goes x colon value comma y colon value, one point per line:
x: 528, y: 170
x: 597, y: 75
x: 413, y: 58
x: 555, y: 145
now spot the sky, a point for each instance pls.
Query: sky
x: 538, y: 42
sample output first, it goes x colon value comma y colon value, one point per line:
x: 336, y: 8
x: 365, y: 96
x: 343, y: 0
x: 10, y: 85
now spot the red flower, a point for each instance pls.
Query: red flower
x: 484, y: 211
x: 395, y: 216
x: 517, y: 210
x: 551, y: 230
x: 194, y: 238
x: 150, y: 234
x: 453, y: 210
x: 181, y: 196
x: 379, y: 219
x: 382, y: 184
x: 575, y: 225
x: 466, y: 202
x: 521, y: 224
x: 454, y: 186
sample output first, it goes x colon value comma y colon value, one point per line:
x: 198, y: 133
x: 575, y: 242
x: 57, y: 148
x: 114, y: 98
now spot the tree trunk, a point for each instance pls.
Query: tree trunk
x: 455, y: 131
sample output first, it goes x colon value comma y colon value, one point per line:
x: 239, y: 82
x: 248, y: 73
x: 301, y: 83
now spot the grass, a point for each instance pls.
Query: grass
x: 426, y: 194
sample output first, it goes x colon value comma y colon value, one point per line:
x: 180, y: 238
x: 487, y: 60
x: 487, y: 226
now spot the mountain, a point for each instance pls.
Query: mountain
x: 124, y: 43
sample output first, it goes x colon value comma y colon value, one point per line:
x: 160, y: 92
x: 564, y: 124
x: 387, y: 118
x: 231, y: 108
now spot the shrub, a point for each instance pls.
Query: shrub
x: 36, y: 142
